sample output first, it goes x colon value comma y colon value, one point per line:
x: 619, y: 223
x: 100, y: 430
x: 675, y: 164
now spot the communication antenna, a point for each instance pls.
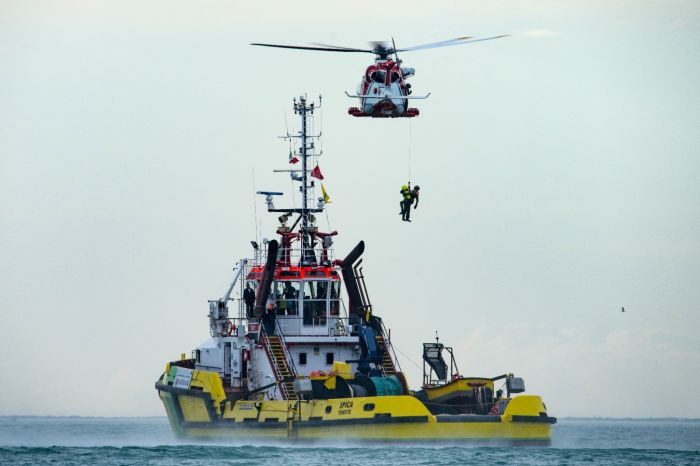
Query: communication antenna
x: 306, y: 219
x: 255, y: 207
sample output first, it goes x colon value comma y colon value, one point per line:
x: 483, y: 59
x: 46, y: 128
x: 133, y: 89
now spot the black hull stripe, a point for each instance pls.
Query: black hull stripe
x: 466, y: 418
x: 364, y: 421
x: 535, y: 419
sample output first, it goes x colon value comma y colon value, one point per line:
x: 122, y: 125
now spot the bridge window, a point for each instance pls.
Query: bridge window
x: 335, y: 298
x: 286, y: 297
x: 394, y: 76
x: 315, y: 293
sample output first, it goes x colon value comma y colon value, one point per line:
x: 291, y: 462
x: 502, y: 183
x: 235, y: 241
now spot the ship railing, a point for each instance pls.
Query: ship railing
x: 387, y: 341
x: 276, y: 364
x: 285, y: 349
x: 331, y: 326
x: 232, y: 325
x: 298, y: 256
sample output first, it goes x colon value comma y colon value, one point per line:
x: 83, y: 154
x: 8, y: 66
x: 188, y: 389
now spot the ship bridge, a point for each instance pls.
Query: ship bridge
x: 307, y: 299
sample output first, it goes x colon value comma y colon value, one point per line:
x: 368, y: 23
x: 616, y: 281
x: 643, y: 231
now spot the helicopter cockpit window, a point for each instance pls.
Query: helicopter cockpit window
x: 286, y: 295
x: 315, y: 293
x: 395, y: 76
x: 378, y: 76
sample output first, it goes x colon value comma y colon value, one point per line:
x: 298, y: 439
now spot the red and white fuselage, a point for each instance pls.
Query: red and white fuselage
x: 383, y: 91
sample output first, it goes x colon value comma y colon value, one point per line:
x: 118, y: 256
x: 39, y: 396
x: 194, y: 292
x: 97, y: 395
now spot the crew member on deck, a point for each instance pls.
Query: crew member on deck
x: 249, y: 299
x: 495, y: 408
x: 290, y: 296
x: 268, y: 319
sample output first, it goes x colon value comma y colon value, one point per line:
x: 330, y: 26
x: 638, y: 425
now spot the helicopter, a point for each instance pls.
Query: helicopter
x: 383, y: 91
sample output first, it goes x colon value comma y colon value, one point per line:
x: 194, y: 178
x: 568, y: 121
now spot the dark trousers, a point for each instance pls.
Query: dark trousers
x: 406, y: 210
x: 269, y: 323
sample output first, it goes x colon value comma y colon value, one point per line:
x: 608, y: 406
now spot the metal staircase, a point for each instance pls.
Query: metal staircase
x: 284, y: 373
x: 387, y: 362
x: 383, y: 342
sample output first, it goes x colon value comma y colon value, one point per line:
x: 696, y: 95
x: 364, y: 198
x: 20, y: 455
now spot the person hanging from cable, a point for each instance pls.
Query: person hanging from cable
x: 405, y: 195
x: 409, y: 197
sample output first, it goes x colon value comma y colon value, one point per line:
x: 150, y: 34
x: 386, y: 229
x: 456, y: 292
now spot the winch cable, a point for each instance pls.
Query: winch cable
x: 404, y: 355
x: 409, y: 154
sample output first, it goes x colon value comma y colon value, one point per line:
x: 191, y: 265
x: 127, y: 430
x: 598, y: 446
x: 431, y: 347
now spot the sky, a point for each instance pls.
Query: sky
x: 558, y: 169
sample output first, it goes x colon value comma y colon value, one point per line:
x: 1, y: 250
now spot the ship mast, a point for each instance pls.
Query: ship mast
x: 301, y: 108
x: 307, y: 149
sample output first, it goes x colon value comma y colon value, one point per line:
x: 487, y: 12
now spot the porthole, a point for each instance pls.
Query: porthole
x: 368, y: 407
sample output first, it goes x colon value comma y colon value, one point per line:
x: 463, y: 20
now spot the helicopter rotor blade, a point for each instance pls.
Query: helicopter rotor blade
x: 448, y: 43
x: 396, y: 55
x: 338, y: 47
x: 324, y: 49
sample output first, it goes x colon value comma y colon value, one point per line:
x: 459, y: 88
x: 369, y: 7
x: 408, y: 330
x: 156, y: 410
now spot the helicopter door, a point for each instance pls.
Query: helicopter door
x: 395, y: 89
x: 377, y: 84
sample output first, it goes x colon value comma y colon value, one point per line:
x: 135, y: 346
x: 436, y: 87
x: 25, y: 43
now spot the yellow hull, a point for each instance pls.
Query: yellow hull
x: 193, y: 413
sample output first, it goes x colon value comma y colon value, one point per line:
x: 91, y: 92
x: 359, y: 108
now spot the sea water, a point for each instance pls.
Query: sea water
x: 149, y: 441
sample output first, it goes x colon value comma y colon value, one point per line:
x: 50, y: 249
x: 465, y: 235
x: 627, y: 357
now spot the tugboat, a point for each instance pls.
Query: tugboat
x: 298, y: 363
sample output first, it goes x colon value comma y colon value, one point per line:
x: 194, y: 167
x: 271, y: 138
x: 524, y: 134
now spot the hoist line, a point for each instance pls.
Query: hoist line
x: 409, y: 152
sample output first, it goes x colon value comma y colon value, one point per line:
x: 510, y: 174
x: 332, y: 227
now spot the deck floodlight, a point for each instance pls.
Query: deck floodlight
x: 255, y: 245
